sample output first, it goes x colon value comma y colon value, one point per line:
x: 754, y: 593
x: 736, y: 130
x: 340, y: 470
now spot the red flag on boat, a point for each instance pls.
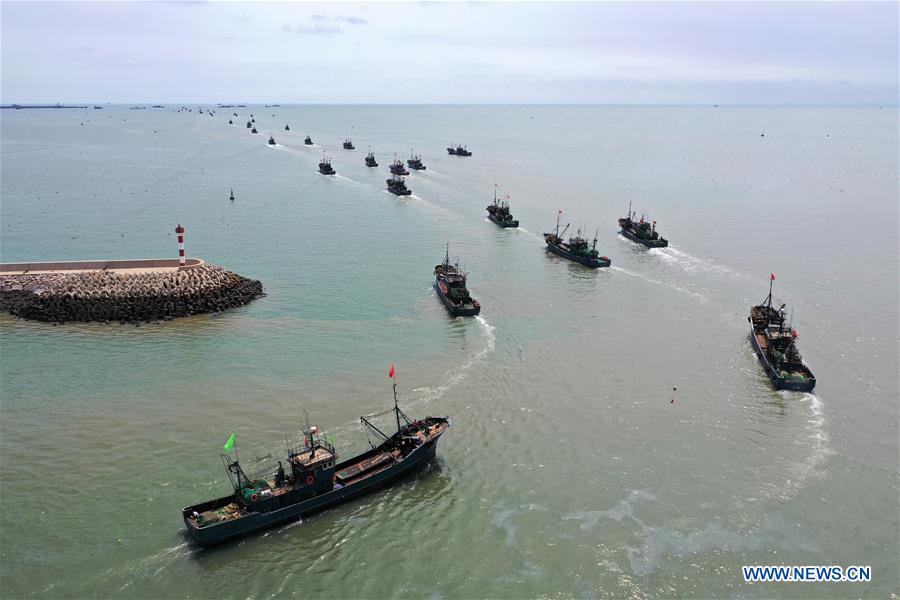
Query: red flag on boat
x: 560, y: 212
x: 794, y: 333
x: 772, y: 277
x: 391, y: 371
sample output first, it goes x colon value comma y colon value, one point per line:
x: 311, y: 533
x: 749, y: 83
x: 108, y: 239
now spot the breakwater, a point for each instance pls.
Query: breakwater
x: 124, y: 291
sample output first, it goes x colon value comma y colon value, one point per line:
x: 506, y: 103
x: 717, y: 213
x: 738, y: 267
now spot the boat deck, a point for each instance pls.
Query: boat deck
x: 349, y: 474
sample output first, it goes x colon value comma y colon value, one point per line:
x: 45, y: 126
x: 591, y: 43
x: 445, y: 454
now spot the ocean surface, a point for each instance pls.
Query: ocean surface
x: 574, y: 467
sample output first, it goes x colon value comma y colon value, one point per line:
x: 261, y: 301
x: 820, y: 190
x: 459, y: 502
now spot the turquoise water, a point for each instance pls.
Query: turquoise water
x: 569, y: 470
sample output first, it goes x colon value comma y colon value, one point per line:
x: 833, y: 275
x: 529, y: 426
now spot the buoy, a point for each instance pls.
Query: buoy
x: 310, y: 480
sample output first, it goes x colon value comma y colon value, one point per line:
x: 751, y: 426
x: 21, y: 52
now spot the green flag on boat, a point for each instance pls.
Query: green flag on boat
x: 330, y: 439
x: 230, y: 443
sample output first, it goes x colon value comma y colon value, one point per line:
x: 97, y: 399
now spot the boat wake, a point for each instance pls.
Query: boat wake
x: 691, y: 263
x: 656, y: 545
x: 534, y: 235
x: 703, y: 299
x: 817, y: 434
x: 143, y: 567
x: 343, y: 178
x: 456, y: 375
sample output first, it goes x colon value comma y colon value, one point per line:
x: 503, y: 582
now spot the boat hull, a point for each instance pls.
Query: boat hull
x: 399, y: 192
x: 777, y: 380
x: 453, y: 309
x: 594, y: 263
x: 657, y: 243
x: 235, y: 528
x: 504, y: 224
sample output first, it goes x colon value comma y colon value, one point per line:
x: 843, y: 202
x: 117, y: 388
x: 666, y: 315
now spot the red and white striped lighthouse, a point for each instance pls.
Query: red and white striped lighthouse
x: 181, y: 259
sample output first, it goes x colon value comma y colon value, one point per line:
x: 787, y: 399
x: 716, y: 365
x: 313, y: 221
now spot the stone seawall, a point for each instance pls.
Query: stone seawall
x: 108, y: 295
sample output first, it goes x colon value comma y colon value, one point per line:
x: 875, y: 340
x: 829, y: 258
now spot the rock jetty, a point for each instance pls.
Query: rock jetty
x: 124, y: 295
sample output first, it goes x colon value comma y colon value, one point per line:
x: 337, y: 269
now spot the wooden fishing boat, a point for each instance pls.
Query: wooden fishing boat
x: 314, y: 480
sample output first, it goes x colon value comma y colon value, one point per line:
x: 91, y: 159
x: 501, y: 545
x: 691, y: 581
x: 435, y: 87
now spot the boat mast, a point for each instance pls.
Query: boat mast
x: 596, y: 233
x: 558, y: 215
x: 629, y: 210
x: 396, y: 408
x: 312, y: 450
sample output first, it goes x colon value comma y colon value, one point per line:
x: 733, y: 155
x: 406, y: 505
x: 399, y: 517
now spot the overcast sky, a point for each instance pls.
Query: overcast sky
x: 456, y: 52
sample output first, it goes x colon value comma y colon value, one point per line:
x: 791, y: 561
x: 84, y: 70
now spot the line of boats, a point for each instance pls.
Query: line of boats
x: 774, y: 339
x: 776, y: 349
x: 315, y: 480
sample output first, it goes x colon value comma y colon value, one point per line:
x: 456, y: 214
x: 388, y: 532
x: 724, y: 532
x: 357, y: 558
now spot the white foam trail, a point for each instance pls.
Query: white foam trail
x: 342, y: 177
x: 703, y: 299
x: 818, y: 434
x: 456, y: 375
x: 489, y: 333
x: 290, y: 525
x: 534, y: 235
x: 692, y: 263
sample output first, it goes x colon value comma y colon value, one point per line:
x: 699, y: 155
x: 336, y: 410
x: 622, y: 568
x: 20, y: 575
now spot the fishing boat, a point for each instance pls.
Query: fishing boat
x: 308, y: 141
x: 230, y: 122
x: 458, y: 150
x: 498, y: 212
x: 397, y: 167
x: 415, y: 162
x: 249, y: 124
x: 641, y: 231
x: 775, y: 344
x: 370, y: 159
x: 232, y: 195
x: 325, y: 167
x: 254, y: 130
x: 271, y: 141
x: 313, y: 480
x: 396, y: 185
x: 287, y: 127
x: 450, y: 282
x: 348, y: 145
x: 576, y: 248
